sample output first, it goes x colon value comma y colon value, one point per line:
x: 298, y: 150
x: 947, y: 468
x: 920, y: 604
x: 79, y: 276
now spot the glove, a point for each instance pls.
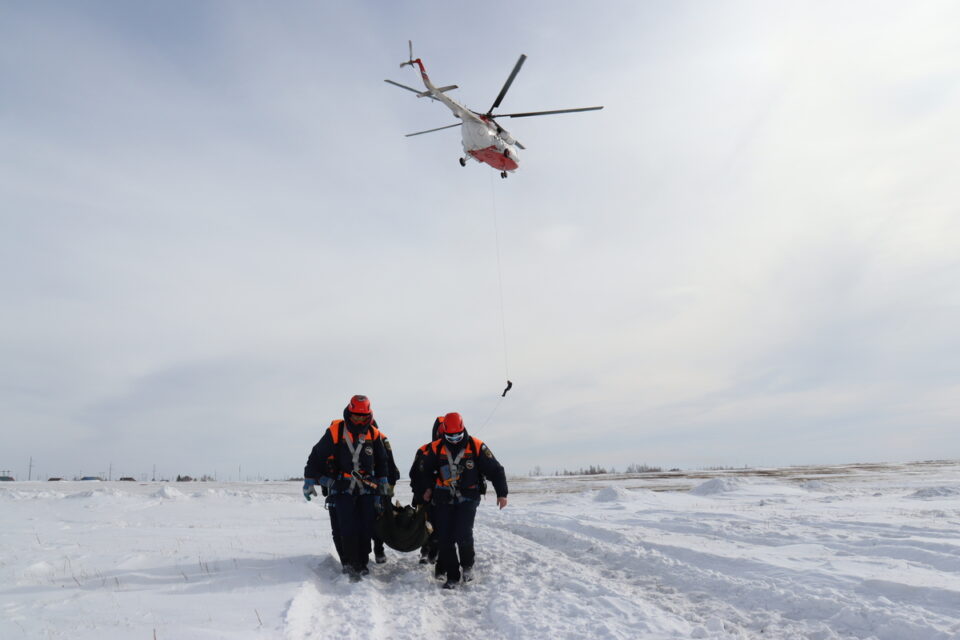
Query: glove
x: 309, y: 488
x: 378, y: 504
x: 326, y: 486
x: 390, y: 490
x: 384, y: 487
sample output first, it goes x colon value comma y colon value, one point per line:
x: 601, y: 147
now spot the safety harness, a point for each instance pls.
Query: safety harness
x: 454, y: 466
x: 452, y: 483
x: 357, y: 479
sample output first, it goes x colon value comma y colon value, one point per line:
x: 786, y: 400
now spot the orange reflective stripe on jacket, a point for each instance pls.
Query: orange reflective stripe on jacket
x: 335, y: 430
x: 334, y: 427
x: 438, y: 447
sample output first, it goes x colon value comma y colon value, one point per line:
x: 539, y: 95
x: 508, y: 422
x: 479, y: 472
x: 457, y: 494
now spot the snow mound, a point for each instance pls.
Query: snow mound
x: 11, y: 494
x: 169, y: 493
x: 226, y: 493
x: 936, y: 492
x: 40, y: 569
x: 816, y: 485
x: 611, y: 494
x: 715, y: 487
x: 97, y: 493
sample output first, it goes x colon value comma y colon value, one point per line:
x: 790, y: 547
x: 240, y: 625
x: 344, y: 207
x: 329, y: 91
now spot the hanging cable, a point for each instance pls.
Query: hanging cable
x: 503, y: 319
x: 490, y: 415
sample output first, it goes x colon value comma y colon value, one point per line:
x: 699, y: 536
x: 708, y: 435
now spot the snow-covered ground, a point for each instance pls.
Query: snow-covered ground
x: 858, y: 551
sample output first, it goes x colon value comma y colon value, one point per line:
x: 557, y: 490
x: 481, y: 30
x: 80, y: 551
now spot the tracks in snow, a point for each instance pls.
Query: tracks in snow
x: 733, y: 586
x: 618, y: 572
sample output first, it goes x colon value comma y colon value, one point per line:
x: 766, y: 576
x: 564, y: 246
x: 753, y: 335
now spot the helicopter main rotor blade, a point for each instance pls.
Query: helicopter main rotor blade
x: 506, y: 85
x: 546, y: 113
x: 420, y: 133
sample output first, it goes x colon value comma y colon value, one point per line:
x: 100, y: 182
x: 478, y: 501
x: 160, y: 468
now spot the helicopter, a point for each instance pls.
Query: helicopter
x: 483, y: 139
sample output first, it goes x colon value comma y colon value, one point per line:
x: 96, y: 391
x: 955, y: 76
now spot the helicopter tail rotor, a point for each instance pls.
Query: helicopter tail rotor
x: 410, y: 61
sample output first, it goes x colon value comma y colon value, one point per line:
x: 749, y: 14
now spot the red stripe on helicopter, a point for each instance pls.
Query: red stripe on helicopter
x: 495, y: 158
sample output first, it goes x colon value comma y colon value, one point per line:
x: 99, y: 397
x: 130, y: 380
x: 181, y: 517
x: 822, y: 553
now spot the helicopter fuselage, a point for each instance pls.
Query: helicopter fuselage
x: 483, y: 140
x: 484, y: 143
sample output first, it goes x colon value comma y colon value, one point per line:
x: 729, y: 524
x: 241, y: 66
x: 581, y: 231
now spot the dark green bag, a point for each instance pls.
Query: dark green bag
x: 403, y: 528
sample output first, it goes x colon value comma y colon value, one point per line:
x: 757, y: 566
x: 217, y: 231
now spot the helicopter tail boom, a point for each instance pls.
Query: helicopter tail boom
x: 429, y: 94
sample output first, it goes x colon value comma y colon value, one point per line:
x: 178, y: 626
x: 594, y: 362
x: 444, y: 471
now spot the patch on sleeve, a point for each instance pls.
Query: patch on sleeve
x: 386, y: 445
x: 486, y: 451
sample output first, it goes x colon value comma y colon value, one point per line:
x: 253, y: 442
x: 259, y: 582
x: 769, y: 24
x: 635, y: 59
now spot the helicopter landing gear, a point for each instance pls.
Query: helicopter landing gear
x: 463, y: 162
x: 503, y: 174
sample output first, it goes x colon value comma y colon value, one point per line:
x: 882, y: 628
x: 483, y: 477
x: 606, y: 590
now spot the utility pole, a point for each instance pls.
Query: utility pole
x: 154, y: 473
x: 110, y: 473
x: 30, y: 470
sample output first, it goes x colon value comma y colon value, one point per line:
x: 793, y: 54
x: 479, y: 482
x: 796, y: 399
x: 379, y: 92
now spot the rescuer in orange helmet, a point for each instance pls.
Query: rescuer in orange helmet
x: 453, y: 469
x: 350, y: 463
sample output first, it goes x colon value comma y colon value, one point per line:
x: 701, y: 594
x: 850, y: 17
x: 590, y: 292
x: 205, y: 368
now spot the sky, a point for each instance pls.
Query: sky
x: 213, y: 232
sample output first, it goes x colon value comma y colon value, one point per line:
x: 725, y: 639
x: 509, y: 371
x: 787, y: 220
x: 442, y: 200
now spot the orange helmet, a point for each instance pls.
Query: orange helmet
x: 452, y: 427
x: 359, y: 404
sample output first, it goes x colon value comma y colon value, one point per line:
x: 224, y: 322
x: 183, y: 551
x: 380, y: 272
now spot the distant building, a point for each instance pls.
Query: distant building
x: 7, y: 479
x: 127, y: 479
x: 86, y: 478
x: 54, y: 479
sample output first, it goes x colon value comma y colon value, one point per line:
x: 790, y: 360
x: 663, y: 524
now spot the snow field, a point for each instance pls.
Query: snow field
x: 850, y: 553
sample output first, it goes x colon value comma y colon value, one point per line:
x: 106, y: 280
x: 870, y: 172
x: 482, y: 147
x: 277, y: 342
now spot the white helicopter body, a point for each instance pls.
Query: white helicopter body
x: 483, y: 139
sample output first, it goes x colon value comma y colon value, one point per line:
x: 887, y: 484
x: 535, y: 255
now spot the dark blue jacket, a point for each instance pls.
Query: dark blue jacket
x: 477, y: 458
x: 333, y: 459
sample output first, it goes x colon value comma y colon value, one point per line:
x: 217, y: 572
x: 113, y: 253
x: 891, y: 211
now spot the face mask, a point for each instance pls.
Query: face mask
x: 454, y: 438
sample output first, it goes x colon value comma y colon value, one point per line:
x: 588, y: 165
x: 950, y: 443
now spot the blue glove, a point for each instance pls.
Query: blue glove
x: 309, y: 488
x: 327, y: 481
